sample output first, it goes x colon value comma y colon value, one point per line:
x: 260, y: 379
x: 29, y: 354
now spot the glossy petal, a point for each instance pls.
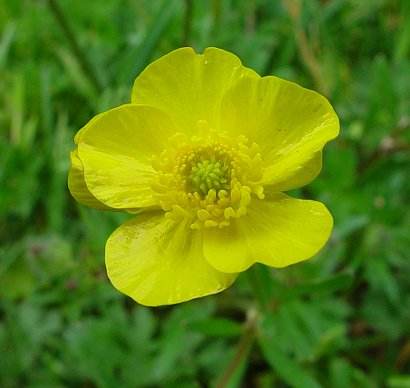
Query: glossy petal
x: 277, y: 231
x: 157, y: 261
x: 84, y: 129
x: 189, y: 86
x: 78, y: 187
x: 291, y: 125
x: 115, y: 150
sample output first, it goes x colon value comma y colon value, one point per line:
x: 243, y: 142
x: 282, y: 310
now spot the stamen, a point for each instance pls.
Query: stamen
x: 208, y: 179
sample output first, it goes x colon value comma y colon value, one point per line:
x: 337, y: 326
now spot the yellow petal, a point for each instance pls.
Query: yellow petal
x: 157, y: 261
x: 277, y: 231
x: 78, y: 187
x: 84, y: 129
x: 291, y: 124
x: 115, y: 150
x: 189, y: 86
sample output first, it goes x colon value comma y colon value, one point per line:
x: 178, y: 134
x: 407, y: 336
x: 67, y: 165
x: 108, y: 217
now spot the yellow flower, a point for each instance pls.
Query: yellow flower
x: 204, y: 150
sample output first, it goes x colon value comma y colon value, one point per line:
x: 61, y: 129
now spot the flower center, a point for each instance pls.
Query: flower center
x: 207, y: 179
x: 209, y: 174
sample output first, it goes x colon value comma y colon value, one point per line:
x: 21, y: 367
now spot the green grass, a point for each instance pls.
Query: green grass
x: 341, y: 319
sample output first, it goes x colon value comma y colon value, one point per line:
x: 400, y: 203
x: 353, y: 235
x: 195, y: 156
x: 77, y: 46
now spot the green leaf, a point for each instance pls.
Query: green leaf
x: 398, y: 381
x: 284, y: 366
x: 141, y: 56
x: 340, y: 372
x: 217, y: 327
x: 331, y: 284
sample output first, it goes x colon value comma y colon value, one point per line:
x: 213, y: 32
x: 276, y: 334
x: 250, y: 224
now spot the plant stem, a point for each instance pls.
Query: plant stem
x: 261, y: 289
x: 187, y: 23
x: 242, y: 350
x: 259, y: 279
x: 305, y: 46
x: 72, y: 40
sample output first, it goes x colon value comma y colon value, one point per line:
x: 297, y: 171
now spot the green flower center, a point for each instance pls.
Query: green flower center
x: 208, y: 179
x: 209, y: 174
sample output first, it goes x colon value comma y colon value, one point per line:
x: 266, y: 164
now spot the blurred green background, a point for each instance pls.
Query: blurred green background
x: 341, y: 319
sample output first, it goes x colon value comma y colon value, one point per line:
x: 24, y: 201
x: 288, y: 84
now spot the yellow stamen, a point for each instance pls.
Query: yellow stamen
x: 208, y: 179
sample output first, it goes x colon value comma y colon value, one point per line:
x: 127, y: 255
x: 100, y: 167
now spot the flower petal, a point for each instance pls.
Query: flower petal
x: 291, y: 124
x: 115, y: 150
x: 189, y: 86
x: 277, y: 231
x: 158, y: 261
x: 78, y: 187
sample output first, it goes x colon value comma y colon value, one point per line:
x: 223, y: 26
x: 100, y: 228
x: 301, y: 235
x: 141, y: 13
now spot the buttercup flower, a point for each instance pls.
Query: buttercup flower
x: 202, y: 156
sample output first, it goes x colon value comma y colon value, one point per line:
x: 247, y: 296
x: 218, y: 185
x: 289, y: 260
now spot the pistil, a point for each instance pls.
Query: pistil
x: 209, y: 180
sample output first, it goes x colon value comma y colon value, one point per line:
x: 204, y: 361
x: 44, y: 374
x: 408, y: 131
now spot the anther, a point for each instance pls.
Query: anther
x: 208, y: 179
